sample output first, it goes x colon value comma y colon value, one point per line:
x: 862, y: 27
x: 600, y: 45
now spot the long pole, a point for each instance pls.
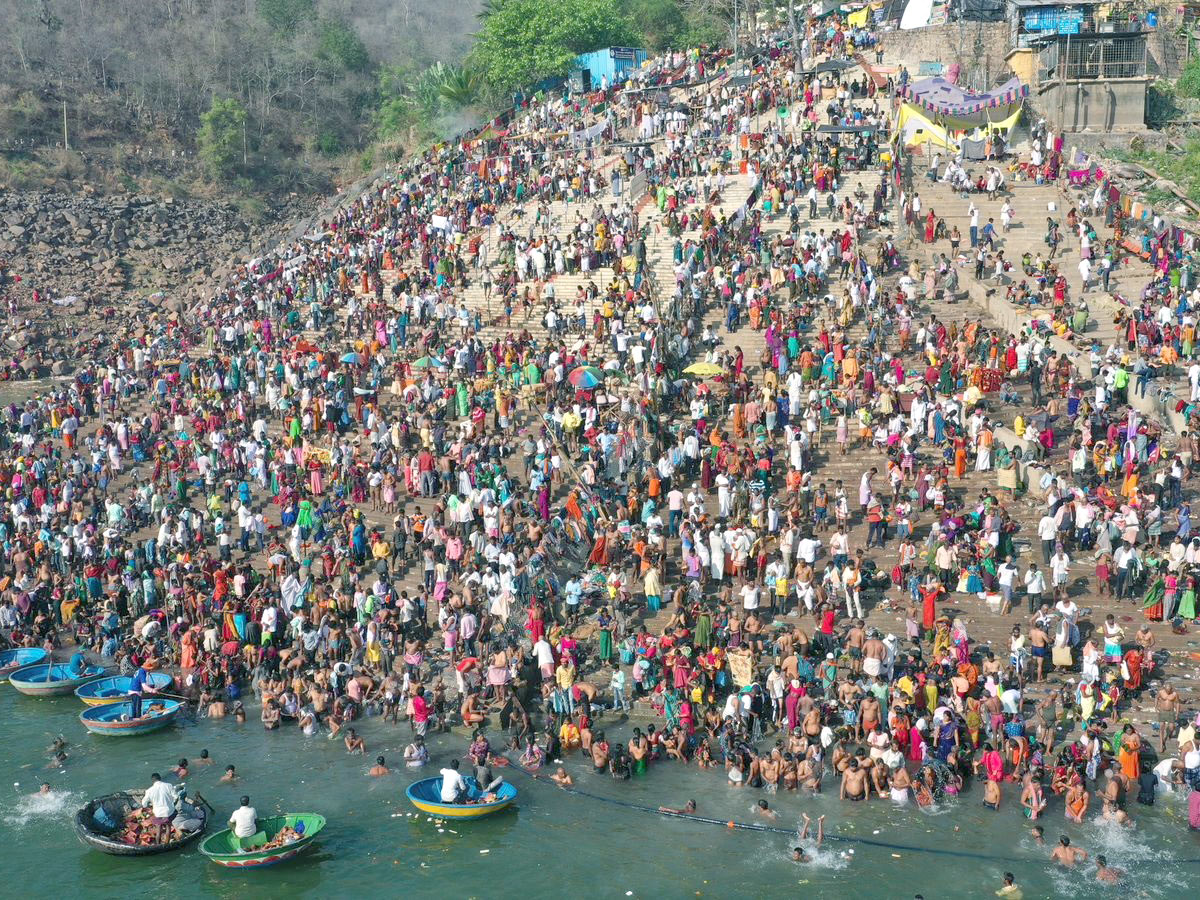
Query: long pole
x: 66, y: 143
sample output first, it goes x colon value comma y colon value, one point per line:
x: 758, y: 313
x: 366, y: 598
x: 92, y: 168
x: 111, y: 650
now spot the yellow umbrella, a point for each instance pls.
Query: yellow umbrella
x: 705, y: 369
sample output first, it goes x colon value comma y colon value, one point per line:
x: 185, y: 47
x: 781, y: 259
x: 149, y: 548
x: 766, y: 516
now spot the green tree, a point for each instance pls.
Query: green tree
x: 337, y: 42
x: 523, y: 41
x: 661, y: 23
x: 222, y: 136
x: 460, y: 86
x: 285, y: 16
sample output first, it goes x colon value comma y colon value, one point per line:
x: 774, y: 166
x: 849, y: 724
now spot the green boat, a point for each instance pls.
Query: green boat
x: 251, y: 853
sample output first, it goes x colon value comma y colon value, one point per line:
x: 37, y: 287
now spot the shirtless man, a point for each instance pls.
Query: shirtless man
x: 854, y: 782
x: 379, y: 768
x: 874, y: 654
x: 901, y: 785
x: 991, y: 795
x: 855, y: 638
x: 1166, y: 707
x: 1039, y: 646
x: 770, y: 770
x: 686, y: 809
x: 868, y: 715
x: 1107, y: 873
x: 1066, y: 855
x: 798, y: 854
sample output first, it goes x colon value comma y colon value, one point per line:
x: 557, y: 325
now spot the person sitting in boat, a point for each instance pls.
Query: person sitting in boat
x: 141, y: 684
x: 77, y: 665
x: 454, y: 787
x: 244, y: 822
x: 162, y: 798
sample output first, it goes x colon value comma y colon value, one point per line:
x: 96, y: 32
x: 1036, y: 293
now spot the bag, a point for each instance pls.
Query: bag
x: 1061, y: 657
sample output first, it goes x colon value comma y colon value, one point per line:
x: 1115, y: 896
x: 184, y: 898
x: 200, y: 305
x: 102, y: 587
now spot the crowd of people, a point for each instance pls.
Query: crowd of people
x: 340, y: 487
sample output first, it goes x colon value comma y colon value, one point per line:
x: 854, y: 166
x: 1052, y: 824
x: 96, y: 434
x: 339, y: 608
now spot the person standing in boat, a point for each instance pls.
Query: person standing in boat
x: 141, y: 684
x: 162, y: 798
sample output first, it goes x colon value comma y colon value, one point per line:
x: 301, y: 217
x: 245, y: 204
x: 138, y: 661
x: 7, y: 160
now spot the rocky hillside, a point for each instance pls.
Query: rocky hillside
x: 97, y: 246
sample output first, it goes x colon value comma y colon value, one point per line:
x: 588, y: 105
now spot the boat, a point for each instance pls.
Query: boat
x: 114, y: 719
x: 50, y: 679
x: 225, y: 850
x: 100, y: 824
x: 21, y: 656
x: 426, y: 795
x: 116, y: 687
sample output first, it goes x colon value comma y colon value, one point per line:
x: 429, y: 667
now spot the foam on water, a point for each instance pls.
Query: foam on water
x: 27, y: 808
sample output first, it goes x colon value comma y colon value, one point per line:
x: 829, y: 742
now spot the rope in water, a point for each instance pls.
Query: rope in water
x: 756, y: 826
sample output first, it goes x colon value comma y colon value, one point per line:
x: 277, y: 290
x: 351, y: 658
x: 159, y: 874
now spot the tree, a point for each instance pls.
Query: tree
x: 460, y: 86
x: 524, y: 41
x: 285, y: 16
x: 337, y: 42
x: 222, y: 135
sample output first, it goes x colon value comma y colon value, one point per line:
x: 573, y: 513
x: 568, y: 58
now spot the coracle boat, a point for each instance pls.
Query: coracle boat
x: 426, y: 795
x: 269, y: 846
x: 116, y: 687
x: 115, y: 719
x: 21, y: 656
x: 118, y: 824
x: 50, y: 679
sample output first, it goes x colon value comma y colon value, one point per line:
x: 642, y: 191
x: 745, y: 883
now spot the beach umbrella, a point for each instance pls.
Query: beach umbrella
x: 704, y: 369
x: 351, y: 358
x: 585, y: 377
x: 429, y: 362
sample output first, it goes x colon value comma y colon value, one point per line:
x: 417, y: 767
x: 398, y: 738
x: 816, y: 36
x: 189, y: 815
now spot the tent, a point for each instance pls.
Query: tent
x: 916, y: 126
x: 942, y: 97
x: 916, y: 14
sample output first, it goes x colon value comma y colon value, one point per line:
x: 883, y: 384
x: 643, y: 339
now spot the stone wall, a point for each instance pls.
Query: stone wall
x: 949, y: 44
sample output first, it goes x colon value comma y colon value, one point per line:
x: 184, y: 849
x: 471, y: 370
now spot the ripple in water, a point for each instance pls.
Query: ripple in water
x: 29, y: 808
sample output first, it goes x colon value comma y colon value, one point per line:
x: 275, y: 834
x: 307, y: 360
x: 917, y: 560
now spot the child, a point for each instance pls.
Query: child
x: 1103, y: 572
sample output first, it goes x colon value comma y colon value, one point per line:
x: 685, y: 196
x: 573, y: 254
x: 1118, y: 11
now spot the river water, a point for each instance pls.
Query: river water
x: 555, y: 842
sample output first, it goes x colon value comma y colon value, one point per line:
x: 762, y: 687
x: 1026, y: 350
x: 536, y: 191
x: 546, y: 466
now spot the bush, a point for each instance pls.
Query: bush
x: 221, y: 136
x: 1188, y: 84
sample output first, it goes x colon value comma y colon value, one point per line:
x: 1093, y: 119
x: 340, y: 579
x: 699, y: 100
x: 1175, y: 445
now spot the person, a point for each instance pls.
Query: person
x: 77, y: 665
x: 416, y: 754
x: 764, y: 810
x: 798, y: 853
x: 454, y: 786
x: 561, y: 777
x: 45, y: 788
x: 162, y: 799
x: 1009, y: 889
x: 244, y: 822
x: 230, y: 775
x: 139, y: 685
x: 1105, y: 872
x: 687, y: 808
x: 354, y: 742
x: 380, y: 768
x: 204, y: 759
x: 1066, y: 855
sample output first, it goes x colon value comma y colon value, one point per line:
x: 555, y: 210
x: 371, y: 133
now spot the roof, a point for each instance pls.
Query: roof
x: 1026, y: 4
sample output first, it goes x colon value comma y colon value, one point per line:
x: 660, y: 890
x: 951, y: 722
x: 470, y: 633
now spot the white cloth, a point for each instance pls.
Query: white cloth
x: 452, y: 785
x: 161, y: 799
x: 244, y: 821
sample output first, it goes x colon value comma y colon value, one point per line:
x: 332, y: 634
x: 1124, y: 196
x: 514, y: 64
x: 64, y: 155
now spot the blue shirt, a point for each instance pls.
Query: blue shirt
x: 77, y: 664
x: 140, y: 677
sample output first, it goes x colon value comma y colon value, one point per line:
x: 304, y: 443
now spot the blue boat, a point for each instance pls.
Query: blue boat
x: 51, y: 679
x: 114, y: 719
x: 116, y: 687
x: 426, y: 795
x: 22, y: 656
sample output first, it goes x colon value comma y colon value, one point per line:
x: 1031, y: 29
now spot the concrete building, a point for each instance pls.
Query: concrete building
x: 1085, y: 62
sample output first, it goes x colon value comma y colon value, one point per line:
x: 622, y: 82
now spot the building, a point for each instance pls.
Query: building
x: 604, y: 66
x: 1085, y: 62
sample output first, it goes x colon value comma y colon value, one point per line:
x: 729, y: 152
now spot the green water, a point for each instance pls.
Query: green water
x: 553, y: 843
